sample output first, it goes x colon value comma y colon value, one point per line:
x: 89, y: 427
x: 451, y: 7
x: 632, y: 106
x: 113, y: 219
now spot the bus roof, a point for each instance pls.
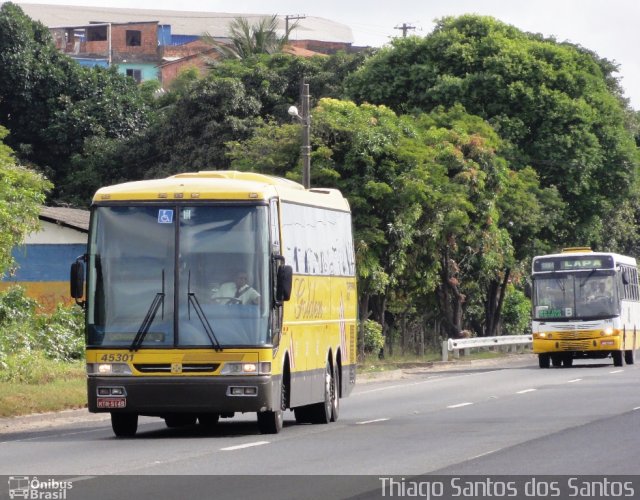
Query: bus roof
x: 585, y: 252
x: 221, y: 185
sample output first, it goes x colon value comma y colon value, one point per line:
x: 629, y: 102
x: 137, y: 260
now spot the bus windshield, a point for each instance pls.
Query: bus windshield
x: 591, y: 294
x: 187, y: 276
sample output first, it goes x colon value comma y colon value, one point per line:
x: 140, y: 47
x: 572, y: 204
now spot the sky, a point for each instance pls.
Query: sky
x: 610, y: 28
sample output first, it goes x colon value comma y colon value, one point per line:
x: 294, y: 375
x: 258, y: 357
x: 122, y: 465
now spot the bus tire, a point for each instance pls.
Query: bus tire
x: 335, y: 395
x: 270, y: 422
x: 321, y: 412
x: 124, y: 424
x: 567, y: 361
x: 630, y: 356
x: 617, y: 358
x: 544, y: 360
x: 556, y: 360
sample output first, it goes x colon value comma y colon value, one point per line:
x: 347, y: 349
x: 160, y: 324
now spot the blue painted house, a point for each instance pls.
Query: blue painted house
x: 46, y: 256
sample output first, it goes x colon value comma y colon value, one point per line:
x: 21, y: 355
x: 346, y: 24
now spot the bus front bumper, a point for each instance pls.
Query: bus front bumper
x: 600, y: 346
x: 156, y: 396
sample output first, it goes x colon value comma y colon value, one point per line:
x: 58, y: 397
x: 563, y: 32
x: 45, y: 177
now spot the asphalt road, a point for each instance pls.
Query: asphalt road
x: 504, y: 417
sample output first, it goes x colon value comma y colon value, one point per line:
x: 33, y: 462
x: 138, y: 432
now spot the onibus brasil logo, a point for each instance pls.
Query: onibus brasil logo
x: 34, y: 488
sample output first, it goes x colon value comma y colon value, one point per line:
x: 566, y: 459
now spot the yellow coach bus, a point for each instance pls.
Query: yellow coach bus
x: 585, y: 305
x: 214, y: 293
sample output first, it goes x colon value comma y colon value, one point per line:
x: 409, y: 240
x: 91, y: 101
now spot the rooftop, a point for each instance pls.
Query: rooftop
x: 183, y: 22
x: 74, y: 218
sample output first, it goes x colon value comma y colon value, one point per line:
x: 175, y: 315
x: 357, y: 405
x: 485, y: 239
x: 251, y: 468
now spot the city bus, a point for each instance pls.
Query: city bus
x: 165, y: 334
x: 585, y: 305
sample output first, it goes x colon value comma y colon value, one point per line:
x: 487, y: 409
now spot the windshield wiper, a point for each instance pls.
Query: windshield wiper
x: 158, y: 301
x: 584, y: 281
x: 193, y: 300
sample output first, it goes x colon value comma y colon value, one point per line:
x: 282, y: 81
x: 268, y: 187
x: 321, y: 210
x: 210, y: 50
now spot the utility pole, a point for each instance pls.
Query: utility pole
x: 306, y: 137
x: 304, y: 117
x: 405, y: 28
x: 288, y: 18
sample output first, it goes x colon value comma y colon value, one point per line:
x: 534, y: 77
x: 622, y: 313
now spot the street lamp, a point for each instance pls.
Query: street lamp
x: 305, y: 119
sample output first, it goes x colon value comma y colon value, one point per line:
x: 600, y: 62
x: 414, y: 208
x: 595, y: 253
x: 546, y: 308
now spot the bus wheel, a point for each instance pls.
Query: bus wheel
x: 543, y: 360
x: 321, y: 412
x: 124, y: 424
x: 270, y: 422
x: 617, y: 358
x: 567, y: 361
x: 630, y: 357
x: 335, y: 395
x: 556, y: 360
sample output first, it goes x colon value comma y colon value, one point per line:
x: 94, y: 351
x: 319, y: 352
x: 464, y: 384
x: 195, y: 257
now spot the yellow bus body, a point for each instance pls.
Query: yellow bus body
x: 318, y: 326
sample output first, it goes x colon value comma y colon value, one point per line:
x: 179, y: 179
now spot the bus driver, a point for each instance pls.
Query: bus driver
x: 237, y: 291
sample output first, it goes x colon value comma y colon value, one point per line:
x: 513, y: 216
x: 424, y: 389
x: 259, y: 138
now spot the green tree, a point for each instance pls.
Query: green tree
x: 22, y: 192
x: 249, y: 39
x: 52, y: 105
x: 557, y: 106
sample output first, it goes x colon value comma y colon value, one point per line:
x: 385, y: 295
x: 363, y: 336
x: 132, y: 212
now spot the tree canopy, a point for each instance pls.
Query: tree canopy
x: 556, y: 105
x: 462, y: 153
x: 22, y: 192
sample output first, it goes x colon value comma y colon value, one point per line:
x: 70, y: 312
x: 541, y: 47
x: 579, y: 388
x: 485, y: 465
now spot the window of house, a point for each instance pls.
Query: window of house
x: 136, y: 74
x: 96, y: 34
x: 134, y: 38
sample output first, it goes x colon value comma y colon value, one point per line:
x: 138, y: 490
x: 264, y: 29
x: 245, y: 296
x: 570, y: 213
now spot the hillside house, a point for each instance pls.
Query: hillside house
x: 156, y: 44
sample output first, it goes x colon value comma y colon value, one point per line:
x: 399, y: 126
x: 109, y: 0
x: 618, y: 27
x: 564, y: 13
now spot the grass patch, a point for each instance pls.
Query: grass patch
x: 372, y: 364
x: 23, y: 399
x: 30, y: 383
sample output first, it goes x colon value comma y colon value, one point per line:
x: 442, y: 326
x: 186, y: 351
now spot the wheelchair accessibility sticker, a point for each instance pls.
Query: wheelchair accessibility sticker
x: 165, y: 216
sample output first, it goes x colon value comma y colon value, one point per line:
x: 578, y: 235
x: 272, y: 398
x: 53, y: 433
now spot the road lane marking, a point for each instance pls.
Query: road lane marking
x: 637, y: 408
x: 242, y: 446
x: 524, y: 391
x: 430, y: 379
x: 459, y: 405
x: 484, y: 454
x: 364, y: 422
x: 574, y: 380
x: 617, y: 371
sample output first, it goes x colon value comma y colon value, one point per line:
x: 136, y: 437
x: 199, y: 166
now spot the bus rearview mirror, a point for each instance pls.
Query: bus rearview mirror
x: 284, y: 283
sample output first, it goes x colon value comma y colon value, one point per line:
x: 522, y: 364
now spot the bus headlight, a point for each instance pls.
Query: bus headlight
x: 607, y: 332
x: 540, y: 335
x: 106, y: 369
x: 263, y: 368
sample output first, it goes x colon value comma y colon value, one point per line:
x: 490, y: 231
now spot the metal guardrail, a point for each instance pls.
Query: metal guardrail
x: 456, y: 345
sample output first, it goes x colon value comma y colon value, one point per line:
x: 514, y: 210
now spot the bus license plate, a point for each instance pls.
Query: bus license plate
x: 112, y: 403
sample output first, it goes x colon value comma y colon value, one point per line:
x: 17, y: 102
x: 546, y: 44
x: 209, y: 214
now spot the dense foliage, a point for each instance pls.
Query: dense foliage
x: 24, y: 330
x: 22, y: 192
x: 51, y: 105
x: 462, y: 153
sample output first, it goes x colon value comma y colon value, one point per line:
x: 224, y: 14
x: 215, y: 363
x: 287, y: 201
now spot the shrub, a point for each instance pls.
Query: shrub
x: 58, y: 336
x: 516, y: 315
x: 373, y: 339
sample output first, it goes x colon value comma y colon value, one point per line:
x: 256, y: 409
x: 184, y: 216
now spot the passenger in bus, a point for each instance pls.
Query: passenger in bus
x: 237, y: 291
